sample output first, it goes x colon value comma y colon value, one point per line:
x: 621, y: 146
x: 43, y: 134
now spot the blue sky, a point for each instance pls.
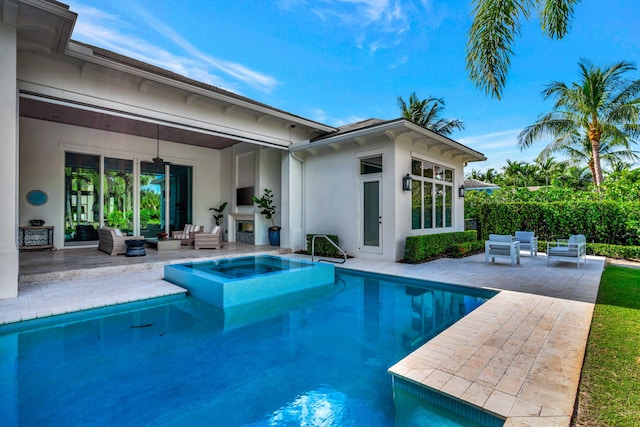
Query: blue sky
x: 341, y: 61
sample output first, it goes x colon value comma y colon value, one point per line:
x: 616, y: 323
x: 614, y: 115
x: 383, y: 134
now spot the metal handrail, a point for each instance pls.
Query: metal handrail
x: 313, y: 249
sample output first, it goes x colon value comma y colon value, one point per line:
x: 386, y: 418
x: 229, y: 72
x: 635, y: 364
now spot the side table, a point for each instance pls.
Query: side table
x: 35, y: 237
x: 135, y: 247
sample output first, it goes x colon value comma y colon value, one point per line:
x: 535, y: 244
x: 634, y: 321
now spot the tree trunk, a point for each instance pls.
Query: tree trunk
x: 594, y: 137
x: 597, y: 168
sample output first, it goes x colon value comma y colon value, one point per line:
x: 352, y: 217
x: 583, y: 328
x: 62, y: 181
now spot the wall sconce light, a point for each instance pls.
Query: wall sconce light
x: 461, y: 191
x: 406, y: 182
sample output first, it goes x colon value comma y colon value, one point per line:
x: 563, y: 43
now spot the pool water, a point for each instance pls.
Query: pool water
x: 315, y: 358
x: 248, y: 266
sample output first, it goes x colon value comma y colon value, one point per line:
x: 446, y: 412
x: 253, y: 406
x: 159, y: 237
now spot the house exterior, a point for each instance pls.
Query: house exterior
x: 88, y: 136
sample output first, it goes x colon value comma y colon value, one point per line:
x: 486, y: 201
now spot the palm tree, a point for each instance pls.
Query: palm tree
x: 547, y: 166
x: 426, y: 113
x: 603, y: 107
x: 494, y: 28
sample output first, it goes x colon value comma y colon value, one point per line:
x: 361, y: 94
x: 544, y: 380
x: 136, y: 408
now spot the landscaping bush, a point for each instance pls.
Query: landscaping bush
x: 324, y: 248
x: 428, y: 246
x: 600, y: 221
x: 459, y: 250
x: 614, y: 251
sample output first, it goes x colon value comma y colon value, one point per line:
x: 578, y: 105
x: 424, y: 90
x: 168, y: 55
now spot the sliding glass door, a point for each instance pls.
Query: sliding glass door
x: 82, y: 197
x: 152, y: 199
x: 100, y: 191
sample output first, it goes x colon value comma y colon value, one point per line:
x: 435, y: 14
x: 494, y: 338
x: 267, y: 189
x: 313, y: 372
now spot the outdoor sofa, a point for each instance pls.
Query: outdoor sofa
x: 187, y: 235
x: 211, y: 240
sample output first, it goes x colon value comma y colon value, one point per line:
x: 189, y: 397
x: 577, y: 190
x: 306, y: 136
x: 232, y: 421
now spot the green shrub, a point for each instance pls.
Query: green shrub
x: 458, y: 250
x: 614, y: 251
x: 427, y: 246
x: 600, y: 221
x: 324, y: 248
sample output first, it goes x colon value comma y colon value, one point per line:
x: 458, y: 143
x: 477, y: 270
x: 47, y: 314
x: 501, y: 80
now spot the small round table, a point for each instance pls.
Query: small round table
x: 135, y: 247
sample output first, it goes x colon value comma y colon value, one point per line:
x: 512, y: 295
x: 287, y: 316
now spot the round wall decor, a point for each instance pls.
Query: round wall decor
x: 37, y: 197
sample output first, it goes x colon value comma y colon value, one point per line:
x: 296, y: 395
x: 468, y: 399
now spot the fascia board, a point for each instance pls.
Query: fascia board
x: 390, y: 126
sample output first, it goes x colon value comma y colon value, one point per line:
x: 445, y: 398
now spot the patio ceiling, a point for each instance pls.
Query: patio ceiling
x: 103, y: 120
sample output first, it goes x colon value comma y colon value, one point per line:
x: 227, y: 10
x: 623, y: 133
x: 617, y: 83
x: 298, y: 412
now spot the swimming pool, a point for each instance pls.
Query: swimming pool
x: 317, y: 357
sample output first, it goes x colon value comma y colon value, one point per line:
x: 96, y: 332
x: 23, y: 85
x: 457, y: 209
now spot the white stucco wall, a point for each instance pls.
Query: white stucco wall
x: 42, y: 148
x: 333, y: 192
x: 8, y: 163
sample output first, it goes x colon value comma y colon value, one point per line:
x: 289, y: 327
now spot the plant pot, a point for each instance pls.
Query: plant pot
x: 274, y: 236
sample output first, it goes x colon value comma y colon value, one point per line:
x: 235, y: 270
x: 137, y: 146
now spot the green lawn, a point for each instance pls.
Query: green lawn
x: 609, y: 393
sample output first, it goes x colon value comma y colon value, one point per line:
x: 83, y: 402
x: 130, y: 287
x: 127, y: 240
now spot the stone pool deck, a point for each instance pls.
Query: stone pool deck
x: 518, y: 356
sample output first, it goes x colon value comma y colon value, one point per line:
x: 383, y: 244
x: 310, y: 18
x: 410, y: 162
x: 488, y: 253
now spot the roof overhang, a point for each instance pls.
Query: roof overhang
x: 392, y: 130
x: 42, y: 26
x: 86, y: 54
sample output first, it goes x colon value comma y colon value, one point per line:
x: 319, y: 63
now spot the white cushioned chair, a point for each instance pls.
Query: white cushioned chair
x: 575, y: 247
x: 112, y: 241
x: 187, y: 235
x: 502, y: 245
x: 528, y: 242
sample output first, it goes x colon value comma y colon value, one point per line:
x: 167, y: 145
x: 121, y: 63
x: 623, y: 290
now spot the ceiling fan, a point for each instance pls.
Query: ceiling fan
x: 159, y: 162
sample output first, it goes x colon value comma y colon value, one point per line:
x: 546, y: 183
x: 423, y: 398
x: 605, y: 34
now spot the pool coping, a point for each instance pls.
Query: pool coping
x: 519, y: 355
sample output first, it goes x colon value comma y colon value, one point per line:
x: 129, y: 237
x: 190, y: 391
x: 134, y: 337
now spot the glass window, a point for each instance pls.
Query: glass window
x: 431, y: 195
x: 427, y: 170
x: 82, y: 197
x: 416, y: 167
x: 416, y: 200
x: 439, y: 197
x: 118, y: 193
x: 152, y: 199
x: 448, y: 205
x: 448, y: 175
x: 428, y: 205
x: 371, y: 165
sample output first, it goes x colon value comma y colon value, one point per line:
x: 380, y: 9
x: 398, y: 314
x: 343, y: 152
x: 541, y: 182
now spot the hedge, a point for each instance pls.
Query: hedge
x: 324, y: 248
x: 602, y: 222
x: 425, y: 247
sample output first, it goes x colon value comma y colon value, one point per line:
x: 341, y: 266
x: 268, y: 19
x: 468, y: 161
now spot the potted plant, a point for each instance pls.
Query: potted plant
x: 268, y: 209
x: 218, y: 217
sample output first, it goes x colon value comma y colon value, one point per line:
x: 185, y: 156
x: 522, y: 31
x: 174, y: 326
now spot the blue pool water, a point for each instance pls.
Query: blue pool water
x: 314, y: 358
x: 249, y: 266
x: 229, y: 283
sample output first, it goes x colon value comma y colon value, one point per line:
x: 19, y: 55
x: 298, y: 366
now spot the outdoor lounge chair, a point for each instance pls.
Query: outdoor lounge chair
x: 113, y: 241
x: 502, y: 245
x: 187, y: 235
x: 211, y: 240
x: 528, y: 242
x: 575, y: 247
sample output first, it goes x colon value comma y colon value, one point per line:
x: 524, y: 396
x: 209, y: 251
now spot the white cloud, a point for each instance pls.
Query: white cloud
x: 115, y: 33
x: 498, y: 147
x: 373, y: 24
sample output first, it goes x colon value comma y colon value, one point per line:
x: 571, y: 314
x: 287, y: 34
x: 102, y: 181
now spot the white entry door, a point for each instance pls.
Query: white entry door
x: 371, y: 210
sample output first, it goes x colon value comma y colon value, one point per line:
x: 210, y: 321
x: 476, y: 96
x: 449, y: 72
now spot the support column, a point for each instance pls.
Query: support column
x: 8, y: 161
